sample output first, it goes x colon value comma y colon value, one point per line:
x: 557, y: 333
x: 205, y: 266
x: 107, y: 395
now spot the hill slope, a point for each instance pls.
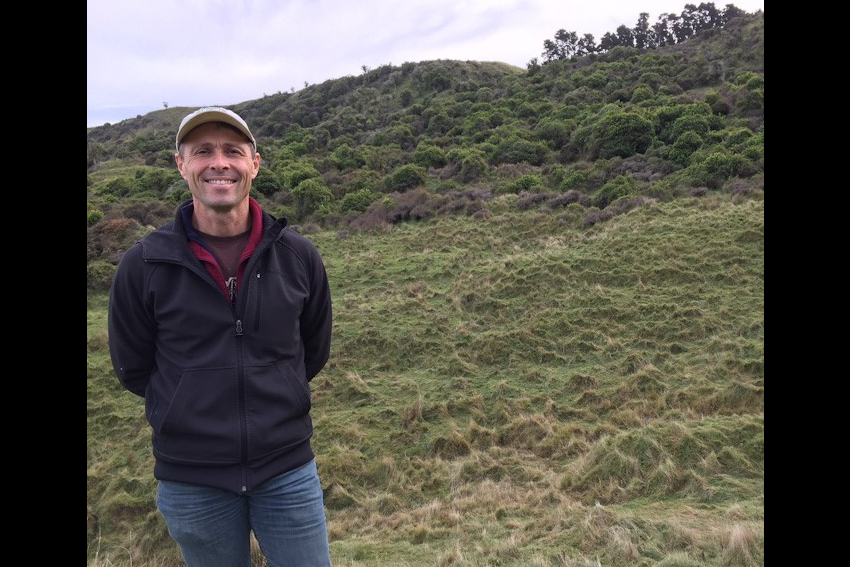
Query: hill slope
x: 549, y: 307
x: 518, y: 390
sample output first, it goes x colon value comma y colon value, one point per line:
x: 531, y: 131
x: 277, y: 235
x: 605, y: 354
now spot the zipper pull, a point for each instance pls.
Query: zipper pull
x: 231, y: 287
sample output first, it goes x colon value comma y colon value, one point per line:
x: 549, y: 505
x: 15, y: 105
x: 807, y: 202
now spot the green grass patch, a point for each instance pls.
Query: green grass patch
x: 514, y: 391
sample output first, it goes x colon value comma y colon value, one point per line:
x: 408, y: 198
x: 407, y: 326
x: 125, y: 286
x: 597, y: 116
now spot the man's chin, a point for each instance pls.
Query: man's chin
x: 222, y: 204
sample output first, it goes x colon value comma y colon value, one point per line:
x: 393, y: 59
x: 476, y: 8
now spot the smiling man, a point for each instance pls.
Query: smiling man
x: 220, y: 320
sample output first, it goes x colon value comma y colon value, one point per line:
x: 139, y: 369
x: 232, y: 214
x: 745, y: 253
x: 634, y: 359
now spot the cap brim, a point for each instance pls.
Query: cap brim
x: 207, y: 115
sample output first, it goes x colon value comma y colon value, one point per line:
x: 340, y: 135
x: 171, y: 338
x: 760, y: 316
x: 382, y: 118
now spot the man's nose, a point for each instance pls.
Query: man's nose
x: 219, y: 160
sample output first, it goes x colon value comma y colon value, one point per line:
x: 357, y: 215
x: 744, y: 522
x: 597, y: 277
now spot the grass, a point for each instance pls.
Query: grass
x: 516, y: 391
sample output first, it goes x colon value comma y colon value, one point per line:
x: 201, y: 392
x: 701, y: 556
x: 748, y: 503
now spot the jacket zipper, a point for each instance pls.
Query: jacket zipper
x: 243, y: 425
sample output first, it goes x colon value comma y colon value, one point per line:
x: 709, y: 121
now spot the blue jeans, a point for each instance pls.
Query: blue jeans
x: 213, y: 527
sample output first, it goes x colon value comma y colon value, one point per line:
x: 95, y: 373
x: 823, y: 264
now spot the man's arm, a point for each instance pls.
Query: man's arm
x: 132, y: 330
x: 317, y: 317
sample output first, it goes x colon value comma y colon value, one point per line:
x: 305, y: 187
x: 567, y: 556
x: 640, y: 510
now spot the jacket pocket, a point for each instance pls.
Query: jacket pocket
x: 201, y: 424
x: 277, y: 409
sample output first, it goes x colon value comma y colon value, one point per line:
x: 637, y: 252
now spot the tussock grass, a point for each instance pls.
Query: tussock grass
x: 512, y: 391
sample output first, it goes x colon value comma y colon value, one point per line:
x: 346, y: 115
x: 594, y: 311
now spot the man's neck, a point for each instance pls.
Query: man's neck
x: 222, y: 223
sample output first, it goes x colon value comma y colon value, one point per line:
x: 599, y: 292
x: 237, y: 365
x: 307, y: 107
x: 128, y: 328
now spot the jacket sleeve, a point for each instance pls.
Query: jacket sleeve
x: 316, y: 318
x: 132, y: 330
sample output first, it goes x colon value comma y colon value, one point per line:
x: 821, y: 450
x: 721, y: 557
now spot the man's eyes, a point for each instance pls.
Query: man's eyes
x: 234, y: 152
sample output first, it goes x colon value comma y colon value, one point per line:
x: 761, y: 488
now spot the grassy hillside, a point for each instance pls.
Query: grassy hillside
x: 520, y: 388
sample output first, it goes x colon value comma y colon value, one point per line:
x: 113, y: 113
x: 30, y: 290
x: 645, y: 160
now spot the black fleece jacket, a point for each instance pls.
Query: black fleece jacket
x: 226, y: 385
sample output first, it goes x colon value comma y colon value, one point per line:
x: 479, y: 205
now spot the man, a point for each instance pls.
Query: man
x: 220, y: 319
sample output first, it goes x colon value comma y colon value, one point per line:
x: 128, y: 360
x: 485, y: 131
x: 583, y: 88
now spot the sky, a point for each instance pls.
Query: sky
x: 146, y: 55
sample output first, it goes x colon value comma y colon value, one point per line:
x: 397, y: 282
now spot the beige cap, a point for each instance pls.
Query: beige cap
x: 213, y: 114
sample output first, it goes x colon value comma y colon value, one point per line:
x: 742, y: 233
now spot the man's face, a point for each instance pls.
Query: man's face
x: 216, y: 162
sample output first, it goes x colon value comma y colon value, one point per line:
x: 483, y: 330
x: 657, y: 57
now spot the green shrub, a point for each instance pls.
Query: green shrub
x: 362, y: 179
x: 266, y: 182
x: 403, y: 135
x: 517, y: 150
x: 530, y: 183
x: 118, y: 187
x: 99, y: 275
x: 651, y: 79
x: 484, y: 94
x: 164, y: 158
x: 754, y: 149
x: 311, y: 196
x: 736, y: 136
x: 575, y: 179
x: 689, y: 123
x: 621, y: 134
x: 596, y: 80
x: 94, y: 216
x: 282, y: 211
x: 357, y: 201
x: 439, y: 123
x: 477, y: 125
x: 685, y: 145
x: 641, y: 94
x: 472, y: 165
x: 345, y: 158
x: 750, y: 100
x: 429, y: 155
x: 556, y: 132
x: 296, y: 173
x: 620, y: 186
x: 178, y: 193
x: 750, y: 80
x: 406, y: 177
x: 384, y: 158
x: 717, y: 168
x: 696, y: 116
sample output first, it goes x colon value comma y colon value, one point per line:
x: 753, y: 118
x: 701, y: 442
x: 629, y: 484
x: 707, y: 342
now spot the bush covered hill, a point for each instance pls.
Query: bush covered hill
x: 607, y: 131
x: 549, y: 308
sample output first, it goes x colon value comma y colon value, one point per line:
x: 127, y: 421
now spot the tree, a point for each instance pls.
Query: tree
x: 683, y: 28
x: 663, y: 30
x: 608, y: 42
x: 706, y: 16
x: 586, y: 45
x: 625, y: 36
x: 732, y: 11
x: 641, y: 33
x: 563, y: 47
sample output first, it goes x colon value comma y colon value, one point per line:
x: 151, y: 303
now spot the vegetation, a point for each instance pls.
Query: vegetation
x: 516, y: 390
x: 549, y: 307
x: 669, y: 29
x: 677, y: 119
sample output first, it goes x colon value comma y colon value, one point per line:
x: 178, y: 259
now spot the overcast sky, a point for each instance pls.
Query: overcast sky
x: 142, y: 55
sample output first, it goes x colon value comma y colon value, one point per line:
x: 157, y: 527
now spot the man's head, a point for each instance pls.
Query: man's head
x: 213, y: 114
x: 217, y: 157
